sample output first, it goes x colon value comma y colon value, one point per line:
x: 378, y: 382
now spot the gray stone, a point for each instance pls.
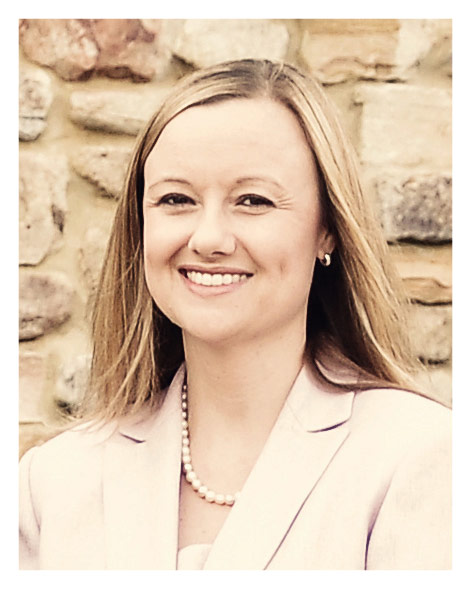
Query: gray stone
x: 42, y: 205
x: 415, y: 207
x: 91, y: 255
x: 206, y: 42
x: 103, y: 166
x: 46, y: 301
x: 32, y: 378
x: 404, y: 125
x: 114, y: 111
x: 72, y: 383
x: 430, y: 329
x: 35, y: 98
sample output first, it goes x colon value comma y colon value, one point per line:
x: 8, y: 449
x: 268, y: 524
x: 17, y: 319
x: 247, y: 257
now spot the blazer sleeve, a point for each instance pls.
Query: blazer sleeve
x: 28, y: 522
x: 412, y: 529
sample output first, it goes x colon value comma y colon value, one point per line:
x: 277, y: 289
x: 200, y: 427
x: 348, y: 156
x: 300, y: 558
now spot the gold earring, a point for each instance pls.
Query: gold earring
x: 326, y: 260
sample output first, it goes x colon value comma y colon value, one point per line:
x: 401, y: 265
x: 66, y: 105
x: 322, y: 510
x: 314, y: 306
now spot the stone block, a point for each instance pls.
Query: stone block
x: 406, y: 126
x: 42, y: 204
x: 425, y: 271
x: 336, y: 50
x: 104, y: 166
x: 417, y: 207
x: 91, y: 255
x: 45, y: 302
x: 207, y: 42
x: 32, y: 378
x: 35, y: 98
x: 77, y: 48
x: 72, y: 383
x: 431, y: 334
x: 114, y: 111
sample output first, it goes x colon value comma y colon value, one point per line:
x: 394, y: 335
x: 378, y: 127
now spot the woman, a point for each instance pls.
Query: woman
x: 251, y: 367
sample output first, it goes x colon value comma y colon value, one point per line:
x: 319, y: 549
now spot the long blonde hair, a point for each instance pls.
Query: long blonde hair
x: 355, y: 314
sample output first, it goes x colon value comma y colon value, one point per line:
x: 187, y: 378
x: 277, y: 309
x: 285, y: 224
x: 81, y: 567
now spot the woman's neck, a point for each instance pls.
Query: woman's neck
x: 241, y: 386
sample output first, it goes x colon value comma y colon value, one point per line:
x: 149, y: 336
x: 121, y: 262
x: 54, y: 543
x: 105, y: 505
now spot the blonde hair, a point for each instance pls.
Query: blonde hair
x: 355, y: 314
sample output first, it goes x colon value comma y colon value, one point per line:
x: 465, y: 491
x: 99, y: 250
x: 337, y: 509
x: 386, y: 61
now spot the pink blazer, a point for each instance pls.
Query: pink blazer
x: 345, y: 481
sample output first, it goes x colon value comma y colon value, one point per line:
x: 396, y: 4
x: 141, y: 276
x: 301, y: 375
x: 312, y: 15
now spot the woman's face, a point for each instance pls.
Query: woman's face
x: 233, y: 221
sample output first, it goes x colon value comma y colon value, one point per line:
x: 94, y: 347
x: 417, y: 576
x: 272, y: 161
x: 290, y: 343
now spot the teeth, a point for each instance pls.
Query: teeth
x: 214, y: 279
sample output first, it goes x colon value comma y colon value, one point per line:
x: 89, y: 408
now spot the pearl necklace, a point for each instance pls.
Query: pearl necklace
x: 190, y: 474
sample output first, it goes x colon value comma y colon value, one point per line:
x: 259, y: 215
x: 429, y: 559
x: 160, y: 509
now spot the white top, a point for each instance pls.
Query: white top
x: 193, y: 557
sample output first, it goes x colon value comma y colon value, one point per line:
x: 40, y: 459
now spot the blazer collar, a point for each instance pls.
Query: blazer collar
x: 142, y: 506
x: 316, y: 404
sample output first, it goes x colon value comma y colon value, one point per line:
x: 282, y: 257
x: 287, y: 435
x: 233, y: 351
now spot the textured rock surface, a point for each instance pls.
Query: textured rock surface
x: 206, y: 42
x: 405, y: 126
x: 415, y: 207
x: 72, y: 383
x: 431, y: 332
x: 425, y: 271
x: 32, y: 371
x: 45, y: 302
x: 91, y: 255
x: 35, y: 98
x: 114, y: 112
x: 336, y: 50
x: 42, y: 206
x: 75, y: 48
x: 104, y: 166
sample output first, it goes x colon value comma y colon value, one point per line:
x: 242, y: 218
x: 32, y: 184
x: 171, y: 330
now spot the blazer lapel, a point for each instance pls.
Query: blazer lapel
x: 141, y: 489
x: 311, y: 428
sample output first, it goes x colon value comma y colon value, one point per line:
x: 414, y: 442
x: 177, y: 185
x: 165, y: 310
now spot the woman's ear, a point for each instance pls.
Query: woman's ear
x: 327, y: 245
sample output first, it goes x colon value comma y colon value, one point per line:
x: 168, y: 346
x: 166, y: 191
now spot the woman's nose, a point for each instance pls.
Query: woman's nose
x: 212, y: 236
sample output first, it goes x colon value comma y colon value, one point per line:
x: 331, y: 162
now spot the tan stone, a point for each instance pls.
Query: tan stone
x: 407, y: 126
x: 114, y: 111
x: 65, y: 45
x: 206, y: 42
x: 72, y: 383
x: 35, y: 98
x: 91, y: 255
x: 45, y: 302
x: 336, y: 50
x: 415, y: 207
x: 430, y: 329
x: 32, y: 378
x: 76, y: 48
x: 436, y: 383
x: 42, y: 204
x: 425, y: 271
x: 103, y: 166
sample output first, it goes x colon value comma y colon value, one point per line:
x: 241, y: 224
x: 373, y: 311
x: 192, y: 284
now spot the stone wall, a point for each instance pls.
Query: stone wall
x: 88, y: 86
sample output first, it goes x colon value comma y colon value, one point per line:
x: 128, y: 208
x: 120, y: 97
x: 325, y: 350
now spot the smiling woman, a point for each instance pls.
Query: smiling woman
x: 251, y: 386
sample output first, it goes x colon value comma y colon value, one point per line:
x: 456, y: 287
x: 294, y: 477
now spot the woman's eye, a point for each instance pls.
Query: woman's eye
x: 175, y: 199
x: 253, y: 200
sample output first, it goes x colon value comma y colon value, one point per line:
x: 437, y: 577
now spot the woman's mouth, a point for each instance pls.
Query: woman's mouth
x: 216, y: 279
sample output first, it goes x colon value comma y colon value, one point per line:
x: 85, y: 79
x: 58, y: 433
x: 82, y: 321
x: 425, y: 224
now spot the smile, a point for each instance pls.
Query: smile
x: 219, y: 279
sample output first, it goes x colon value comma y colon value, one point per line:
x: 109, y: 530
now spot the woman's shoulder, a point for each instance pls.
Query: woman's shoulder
x: 402, y: 419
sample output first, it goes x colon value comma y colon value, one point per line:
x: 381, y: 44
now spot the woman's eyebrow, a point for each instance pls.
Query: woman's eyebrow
x: 264, y: 179
x: 169, y: 180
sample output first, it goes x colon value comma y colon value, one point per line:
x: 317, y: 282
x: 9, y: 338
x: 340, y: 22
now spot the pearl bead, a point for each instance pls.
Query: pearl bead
x: 219, y: 499
x: 191, y: 476
x: 202, y: 491
x: 185, y: 442
x: 185, y: 451
x: 187, y: 467
x: 196, y: 484
x: 186, y: 459
x: 229, y: 499
x: 210, y: 496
